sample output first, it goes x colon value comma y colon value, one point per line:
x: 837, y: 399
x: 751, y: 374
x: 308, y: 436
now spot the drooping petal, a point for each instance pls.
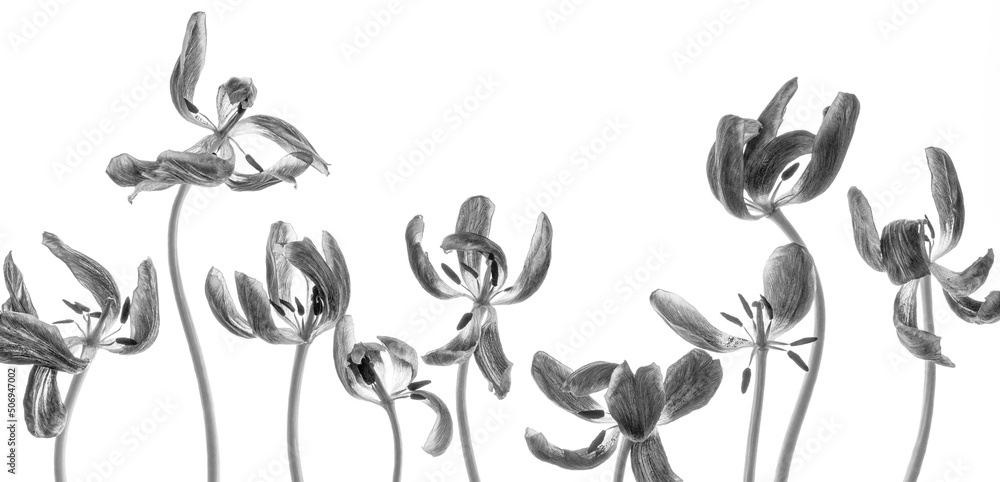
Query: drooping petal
x: 903, y: 251
x: 771, y: 117
x: 222, y: 306
x: 420, y: 263
x: 463, y: 346
x: 343, y: 344
x: 789, y: 285
x: 636, y: 401
x: 236, y: 94
x: 338, y: 266
x: 690, y: 383
x: 255, y: 303
x: 968, y: 281
x: 725, y: 163
x: 20, y: 300
x: 579, y: 459
x: 922, y: 344
x: 280, y: 272
x: 44, y: 412
x: 765, y: 166
x: 829, y: 150
x: 404, y: 360
x: 26, y: 340
x: 687, y: 322
x: 285, y: 135
x: 170, y: 169
x: 187, y: 70
x: 536, y: 265
x: 492, y: 361
x: 286, y: 170
x: 304, y: 256
x: 550, y: 375
x: 649, y: 461
x: 144, y: 312
x: 590, y: 378
x: 97, y: 280
x: 476, y: 217
x: 471, y: 242
x: 865, y: 235
x: 975, y: 311
x: 441, y: 432
x: 948, y: 199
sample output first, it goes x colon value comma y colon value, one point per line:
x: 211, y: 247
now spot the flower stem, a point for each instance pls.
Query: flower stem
x: 397, y: 437
x: 620, y: 464
x: 294, y: 394
x: 463, y: 422
x: 750, y: 466
x: 930, y: 379
x: 815, y: 359
x: 200, y: 372
x: 60, y: 451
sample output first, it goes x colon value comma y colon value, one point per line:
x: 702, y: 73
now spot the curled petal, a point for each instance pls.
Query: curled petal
x: 237, y: 94
x: 590, y: 378
x: 26, y: 340
x: 280, y: 272
x: 171, y: 168
x: 304, y: 256
x: 636, y: 401
x: 187, y: 70
x: 20, y: 300
x: 221, y: 303
x: 440, y: 435
x: 285, y: 135
x: 789, y: 285
x: 903, y: 251
x: 144, y: 312
x: 404, y: 361
x: 725, y: 163
x: 649, y: 461
x: 771, y: 117
x: 97, y: 280
x: 865, y: 236
x: 471, y: 242
x: 923, y: 345
x: 253, y: 298
x: 829, y: 150
x: 975, y: 311
x: 492, y: 361
x: 536, y: 265
x: 550, y: 375
x: 338, y: 266
x: 476, y: 217
x: 44, y: 412
x: 690, y: 383
x: 462, y: 347
x: 580, y: 459
x: 687, y: 322
x: 948, y: 199
x: 285, y: 170
x: 420, y: 263
x: 905, y: 305
x: 765, y: 166
x: 343, y: 344
x: 966, y: 282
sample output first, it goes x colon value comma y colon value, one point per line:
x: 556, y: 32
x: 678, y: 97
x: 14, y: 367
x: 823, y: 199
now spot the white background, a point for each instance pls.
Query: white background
x: 925, y: 75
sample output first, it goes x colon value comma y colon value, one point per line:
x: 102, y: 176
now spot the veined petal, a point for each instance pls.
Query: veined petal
x: 829, y: 150
x: 690, y: 383
x: 492, y: 361
x: 404, y: 361
x: 948, y: 199
x: 97, y: 280
x: 144, y: 312
x: 649, y: 461
x: 343, y: 344
x: 968, y: 281
x: 771, y: 117
x: 903, y: 251
x: 221, y: 303
x: 463, y: 346
x: 304, y: 256
x: 636, y: 401
x: 253, y: 298
x: 441, y: 432
x: 590, y: 378
x: 171, y: 168
x: 550, y: 375
x: 687, y: 322
x: 536, y: 265
x: 922, y: 344
x: 285, y: 135
x: 44, y: 412
x: 580, y: 459
x: 338, y: 266
x: 789, y: 285
x: 236, y: 94
x: 865, y: 236
x: 767, y: 163
x: 280, y: 272
x: 20, y: 300
x: 725, y: 164
x: 285, y: 170
x: 475, y: 216
x: 975, y: 311
x: 420, y: 263
x: 466, y: 243
x: 26, y: 340
x: 905, y: 305
x: 187, y: 70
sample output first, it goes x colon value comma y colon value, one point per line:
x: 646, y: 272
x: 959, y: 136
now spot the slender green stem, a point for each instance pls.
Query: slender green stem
x: 463, y: 422
x: 815, y: 359
x: 622, y: 462
x: 60, y: 452
x: 930, y: 379
x: 294, y: 394
x: 200, y: 372
x: 753, y: 435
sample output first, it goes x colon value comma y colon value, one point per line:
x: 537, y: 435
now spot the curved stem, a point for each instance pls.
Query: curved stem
x: 397, y: 442
x: 815, y: 359
x: 620, y: 464
x: 60, y: 451
x: 463, y: 422
x: 750, y: 466
x: 200, y: 372
x: 294, y: 394
x: 930, y: 379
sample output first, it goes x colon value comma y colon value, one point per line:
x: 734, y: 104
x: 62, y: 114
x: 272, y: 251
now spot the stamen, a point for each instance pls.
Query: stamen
x: 190, y: 106
x: 95, y: 314
x: 929, y: 226
x: 746, y: 306
x: 798, y: 360
x: 288, y: 305
x: 591, y: 414
x: 789, y: 172
x: 63, y: 322
x: 417, y: 385
x: 746, y: 380
x: 451, y: 274
x: 76, y: 307
x: 804, y: 341
x: 253, y: 163
x: 126, y: 341
x: 767, y: 306
x: 732, y: 319
x: 417, y: 396
x: 126, y: 308
x: 277, y: 307
x: 474, y: 273
x: 367, y: 371
x: 596, y: 443
x: 299, y: 308
x: 466, y: 318
x: 494, y: 272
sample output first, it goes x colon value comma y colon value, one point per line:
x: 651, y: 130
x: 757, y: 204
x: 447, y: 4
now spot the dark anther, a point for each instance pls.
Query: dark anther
x: 767, y: 306
x: 929, y: 226
x: 62, y: 322
x: 74, y: 306
x: 474, y: 273
x: 746, y: 380
x: 789, y: 172
x: 301, y: 310
x: 417, y: 385
x: 95, y: 314
x: 367, y: 371
x: 466, y: 318
x: 596, y: 443
x: 191, y: 107
x: 804, y: 341
x: 746, y: 306
x: 417, y: 396
x: 277, y: 307
x: 798, y: 360
x: 591, y: 414
x: 126, y: 307
x: 451, y: 273
x: 494, y: 272
x: 126, y: 341
x: 288, y: 305
x: 253, y: 163
x: 732, y: 319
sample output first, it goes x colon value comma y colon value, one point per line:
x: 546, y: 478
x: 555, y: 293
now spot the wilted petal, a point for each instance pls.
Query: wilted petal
x: 470, y: 242
x: 690, y: 383
x: 829, y: 150
x: 236, y: 93
x: 462, y: 347
x: 97, y: 280
x: 280, y: 272
x: 144, y: 312
x: 948, y: 200
x: 922, y: 344
x: 865, y: 236
x: 285, y: 135
x: 44, y: 412
x: 636, y: 401
x: 590, y: 378
x: 550, y: 375
x: 789, y: 285
x: 20, y: 300
x: 475, y: 216
x: 26, y: 340
x: 966, y: 282
x: 440, y: 435
x: 905, y: 306
x: 536, y: 265
x: 725, y: 163
x: 304, y: 256
x: 404, y: 361
x: 187, y: 70
x: 492, y: 361
x: 903, y: 251
x: 343, y: 344
x: 420, y: 263
x: 171, y: 168
x: 253, y: 298
x: 975, y: 311
x: 771, y: 117
x: 222, y: 306
x: 765, y: 166
x: 580, y: 459
x: 338, y: 266
x: 649, y: 461
x: 687, y: 322
x: 285, y: 170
